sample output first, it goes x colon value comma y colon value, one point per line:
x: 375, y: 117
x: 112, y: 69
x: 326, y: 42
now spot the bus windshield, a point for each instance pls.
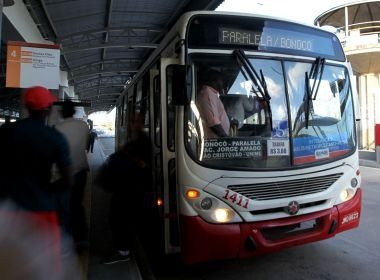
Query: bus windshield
x: 230, y: 124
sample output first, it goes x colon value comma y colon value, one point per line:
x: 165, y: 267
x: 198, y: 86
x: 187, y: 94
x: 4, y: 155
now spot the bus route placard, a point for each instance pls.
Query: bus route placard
x: 230, y: 148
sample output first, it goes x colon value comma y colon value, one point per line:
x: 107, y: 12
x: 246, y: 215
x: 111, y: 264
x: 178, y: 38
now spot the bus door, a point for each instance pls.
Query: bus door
x: 157, y: 172
x: 168, y: 127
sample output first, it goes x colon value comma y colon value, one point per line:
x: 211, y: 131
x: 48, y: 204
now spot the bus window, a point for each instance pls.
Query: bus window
x: 138, y: 96
x: 170, y: 109
x: 258, y: 135
x: 122, y: 111
x: 141, y: 101
x: 329, y: 131
x: 157, y: 110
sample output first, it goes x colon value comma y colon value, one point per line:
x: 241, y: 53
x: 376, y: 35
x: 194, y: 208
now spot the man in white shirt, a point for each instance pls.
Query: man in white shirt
x: 76, y: 132
x: 211, y: 108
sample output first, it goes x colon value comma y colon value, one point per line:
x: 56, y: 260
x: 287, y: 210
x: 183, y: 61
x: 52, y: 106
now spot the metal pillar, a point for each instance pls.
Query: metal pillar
x: 4, y: 3
x: 346, y: 20
x: 1, y: 18
x: 377, y: 142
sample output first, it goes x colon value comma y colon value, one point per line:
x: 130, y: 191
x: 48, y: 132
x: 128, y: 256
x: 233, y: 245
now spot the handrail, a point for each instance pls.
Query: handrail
x: 343, y: 28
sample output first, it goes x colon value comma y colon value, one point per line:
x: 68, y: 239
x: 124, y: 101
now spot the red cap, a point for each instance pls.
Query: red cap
x: 38, y: 98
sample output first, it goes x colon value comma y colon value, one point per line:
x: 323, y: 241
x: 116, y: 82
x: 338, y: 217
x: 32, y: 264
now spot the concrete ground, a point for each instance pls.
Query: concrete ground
x: 100, y: 237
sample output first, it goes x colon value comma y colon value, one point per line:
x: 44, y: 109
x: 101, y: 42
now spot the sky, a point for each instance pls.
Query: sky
x: 102, y: 117
x: 304, y: 11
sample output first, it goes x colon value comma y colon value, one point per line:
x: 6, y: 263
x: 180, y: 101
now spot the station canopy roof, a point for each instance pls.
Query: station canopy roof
x: 103, y: 43
x: 359, y: 18
x: 359, y: 12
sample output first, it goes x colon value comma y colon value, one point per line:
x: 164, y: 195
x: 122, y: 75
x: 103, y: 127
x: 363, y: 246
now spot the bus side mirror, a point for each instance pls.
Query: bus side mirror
x: 181, y: 85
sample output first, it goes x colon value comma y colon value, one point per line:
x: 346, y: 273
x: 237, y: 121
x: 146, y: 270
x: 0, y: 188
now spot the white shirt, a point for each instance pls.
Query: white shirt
x: 212, y: 111
x: 76, y: 132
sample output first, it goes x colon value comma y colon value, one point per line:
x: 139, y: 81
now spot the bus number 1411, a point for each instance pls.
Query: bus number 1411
x: 236, y: 198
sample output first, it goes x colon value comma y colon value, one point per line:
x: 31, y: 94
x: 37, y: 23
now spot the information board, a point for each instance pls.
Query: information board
x: 32, y: 64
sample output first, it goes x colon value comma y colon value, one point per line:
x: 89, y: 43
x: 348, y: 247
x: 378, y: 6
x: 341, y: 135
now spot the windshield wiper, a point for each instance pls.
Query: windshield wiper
x: 316, y: 73
x: 307, y: 99
x: 257, y: 80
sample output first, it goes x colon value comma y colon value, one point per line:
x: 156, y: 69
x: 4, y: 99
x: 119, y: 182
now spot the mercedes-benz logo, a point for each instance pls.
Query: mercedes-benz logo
x: 293, y: 207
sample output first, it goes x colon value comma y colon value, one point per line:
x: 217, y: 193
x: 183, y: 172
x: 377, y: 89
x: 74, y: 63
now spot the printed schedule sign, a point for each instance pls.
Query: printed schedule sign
x: 32, y: 64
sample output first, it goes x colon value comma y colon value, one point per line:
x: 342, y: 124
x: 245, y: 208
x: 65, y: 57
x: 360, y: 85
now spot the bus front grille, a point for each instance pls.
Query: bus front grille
x: 283, y: 189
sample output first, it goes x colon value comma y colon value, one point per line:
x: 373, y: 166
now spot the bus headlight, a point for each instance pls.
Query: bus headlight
x: 209, y: 207
x: 223, y: 215
x: 346, y: 194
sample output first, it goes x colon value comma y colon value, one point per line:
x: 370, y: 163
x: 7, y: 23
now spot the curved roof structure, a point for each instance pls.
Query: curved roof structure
x: 358, y: 27
x: 103, y: 43
x: 358, y: 12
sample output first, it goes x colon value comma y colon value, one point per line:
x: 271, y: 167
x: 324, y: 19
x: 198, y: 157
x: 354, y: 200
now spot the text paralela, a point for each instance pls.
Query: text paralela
x: 283, y: 39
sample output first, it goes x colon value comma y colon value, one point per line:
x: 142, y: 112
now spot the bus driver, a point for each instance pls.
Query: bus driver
x: 211, y: 108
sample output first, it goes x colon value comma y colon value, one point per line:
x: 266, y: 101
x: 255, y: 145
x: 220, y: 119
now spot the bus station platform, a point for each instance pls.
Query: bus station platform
x: 368, y: 158
x: 97, y: 202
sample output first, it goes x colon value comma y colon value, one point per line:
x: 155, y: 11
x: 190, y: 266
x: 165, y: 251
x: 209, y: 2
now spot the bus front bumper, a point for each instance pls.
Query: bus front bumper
x: 202, y: 241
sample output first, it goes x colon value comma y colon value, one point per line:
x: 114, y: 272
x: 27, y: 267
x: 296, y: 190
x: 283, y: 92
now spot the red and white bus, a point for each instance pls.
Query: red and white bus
x: 287, y: 173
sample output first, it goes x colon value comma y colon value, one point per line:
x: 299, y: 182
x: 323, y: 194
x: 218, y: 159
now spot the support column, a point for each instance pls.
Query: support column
x: 1, y: 19
x: 371, y: 92
x: 363, y: 109
x: 346, y: 21
x: 377, y: 142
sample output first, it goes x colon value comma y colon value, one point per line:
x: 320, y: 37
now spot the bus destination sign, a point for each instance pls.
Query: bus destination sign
x: 270, y: 37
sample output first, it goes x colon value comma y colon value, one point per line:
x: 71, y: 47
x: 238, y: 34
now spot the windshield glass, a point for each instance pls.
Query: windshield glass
x: 230, y: 124
x: 329, y: 132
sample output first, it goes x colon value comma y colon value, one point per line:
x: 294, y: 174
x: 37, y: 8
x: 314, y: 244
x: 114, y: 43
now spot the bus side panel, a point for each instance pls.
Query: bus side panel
x: 202, y: 241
